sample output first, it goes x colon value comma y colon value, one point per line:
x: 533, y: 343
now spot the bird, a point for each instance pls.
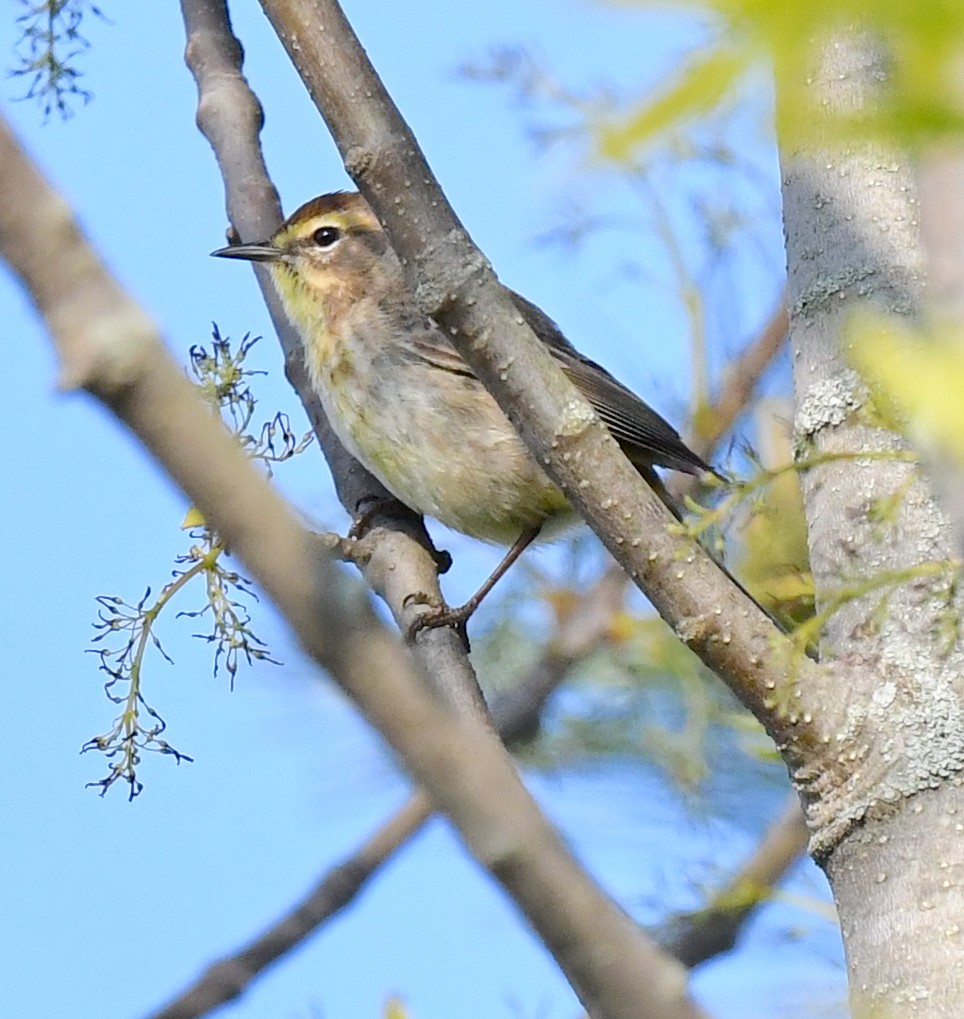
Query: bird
x: 409, y: 408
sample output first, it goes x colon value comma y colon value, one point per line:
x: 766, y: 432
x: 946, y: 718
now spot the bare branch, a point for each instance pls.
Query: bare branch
x: 516, y: 713
x: 451, y: 280
x: 108, y: 347
x: 696, y: 937
x: 228, y: 978
x: 230, y: 117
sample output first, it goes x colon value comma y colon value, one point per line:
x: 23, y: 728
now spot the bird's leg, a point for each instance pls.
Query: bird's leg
x: 458, y: 617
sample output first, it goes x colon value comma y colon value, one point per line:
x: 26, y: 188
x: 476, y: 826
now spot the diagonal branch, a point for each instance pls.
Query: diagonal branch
x: 696, y: 937
x: 452, y: 280
x: 516, y: 714
x: 108, y: 347
x: 231, y: 976
x: 692, y: 938
x: 401, y: 559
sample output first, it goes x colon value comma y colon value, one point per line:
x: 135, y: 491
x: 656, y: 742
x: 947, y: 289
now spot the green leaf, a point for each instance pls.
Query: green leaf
x: 703, y: 84
x: 920, y: 377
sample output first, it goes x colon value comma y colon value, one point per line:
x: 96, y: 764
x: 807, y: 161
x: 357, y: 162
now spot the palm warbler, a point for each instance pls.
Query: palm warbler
x: 408, y: 407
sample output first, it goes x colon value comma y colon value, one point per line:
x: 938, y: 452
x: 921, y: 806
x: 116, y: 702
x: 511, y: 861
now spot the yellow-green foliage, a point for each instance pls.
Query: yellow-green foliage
x: 773, y: 561
x: 702, y: 85
x: 922, y: 99
x: 917, y: 380
x: 395, y: 1009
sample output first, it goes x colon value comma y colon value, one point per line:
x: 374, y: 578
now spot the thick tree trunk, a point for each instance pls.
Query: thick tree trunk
x: 898, y: 880
x: 888, y: 814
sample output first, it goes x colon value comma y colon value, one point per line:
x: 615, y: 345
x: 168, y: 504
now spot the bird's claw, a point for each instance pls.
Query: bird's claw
x: 439, y: 616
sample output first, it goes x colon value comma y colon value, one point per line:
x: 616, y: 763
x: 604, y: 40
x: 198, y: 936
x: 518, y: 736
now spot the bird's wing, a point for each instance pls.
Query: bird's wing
x: 431, y: 346
x: 646, y: 438
x: 644, y: 435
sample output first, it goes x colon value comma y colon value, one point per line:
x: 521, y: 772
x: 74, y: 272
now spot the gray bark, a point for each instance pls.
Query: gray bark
x: 887, y: 812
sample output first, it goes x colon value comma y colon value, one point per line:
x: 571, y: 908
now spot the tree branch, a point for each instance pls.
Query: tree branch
x: 452, y: 280
x: 696, y: 937
x: 231, y: 976
x: 516, y: 714
x: 402, y: 559
x: 108, y: 346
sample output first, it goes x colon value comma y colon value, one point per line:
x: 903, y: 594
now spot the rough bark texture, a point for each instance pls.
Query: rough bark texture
x: 885, y: 811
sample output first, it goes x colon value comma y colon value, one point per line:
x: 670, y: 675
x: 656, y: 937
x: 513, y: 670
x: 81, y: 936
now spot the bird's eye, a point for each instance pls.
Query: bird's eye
x: 326, y: 236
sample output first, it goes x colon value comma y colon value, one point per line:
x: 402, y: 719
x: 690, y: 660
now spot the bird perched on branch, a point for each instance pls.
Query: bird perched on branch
x: 406, y: 405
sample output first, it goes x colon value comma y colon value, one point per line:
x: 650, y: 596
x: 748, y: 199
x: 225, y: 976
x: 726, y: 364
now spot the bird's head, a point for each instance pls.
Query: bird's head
x: 330, y: 253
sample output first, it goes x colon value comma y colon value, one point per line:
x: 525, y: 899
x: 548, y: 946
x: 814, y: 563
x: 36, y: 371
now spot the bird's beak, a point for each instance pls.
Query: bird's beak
x: 250, y: 252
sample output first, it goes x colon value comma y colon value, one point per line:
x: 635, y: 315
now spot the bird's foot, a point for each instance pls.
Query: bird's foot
x: 439, y: 615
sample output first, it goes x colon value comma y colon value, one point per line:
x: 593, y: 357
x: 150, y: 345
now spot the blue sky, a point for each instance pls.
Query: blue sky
x: 111, y: 907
